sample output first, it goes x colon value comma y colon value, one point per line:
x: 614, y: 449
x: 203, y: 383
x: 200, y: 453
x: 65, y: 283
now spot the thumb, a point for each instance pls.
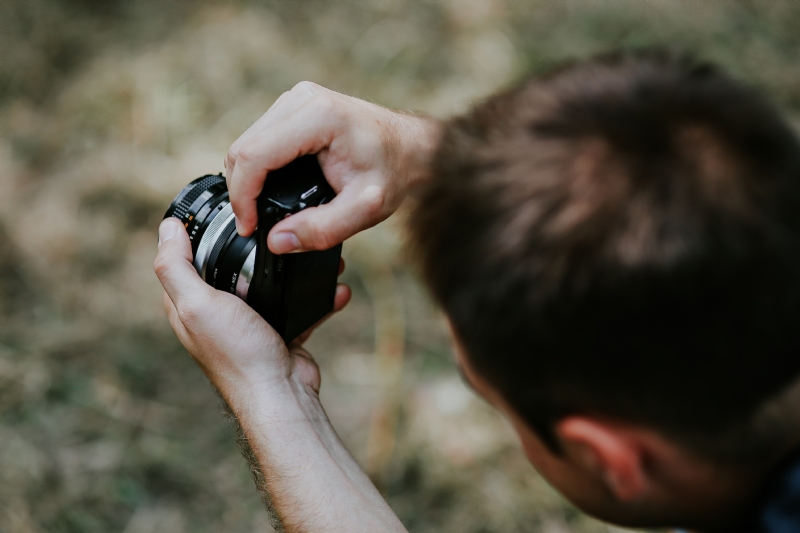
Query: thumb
x: 325, y: 226
x: 173, y: 266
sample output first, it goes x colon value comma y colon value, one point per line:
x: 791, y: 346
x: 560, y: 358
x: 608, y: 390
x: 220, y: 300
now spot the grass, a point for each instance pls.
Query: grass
x: 108, y: 108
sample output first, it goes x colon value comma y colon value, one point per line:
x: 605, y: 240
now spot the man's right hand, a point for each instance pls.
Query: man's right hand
x: 371, y: 156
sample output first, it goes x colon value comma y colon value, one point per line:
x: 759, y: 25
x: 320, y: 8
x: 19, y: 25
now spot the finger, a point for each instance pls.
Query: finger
x: 173, y: 266
x: 325, y: 226
x: 274, y: 117
x: 307, y: 131
x: 342, y: 298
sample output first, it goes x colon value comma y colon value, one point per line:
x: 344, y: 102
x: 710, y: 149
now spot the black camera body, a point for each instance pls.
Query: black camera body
x: 291, y: 292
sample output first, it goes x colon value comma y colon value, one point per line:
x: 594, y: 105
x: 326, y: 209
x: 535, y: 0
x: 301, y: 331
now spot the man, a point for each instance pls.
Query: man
x: 617, y: 248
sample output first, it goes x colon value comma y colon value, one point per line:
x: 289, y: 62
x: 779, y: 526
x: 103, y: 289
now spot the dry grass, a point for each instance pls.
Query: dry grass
x: 109, y: 108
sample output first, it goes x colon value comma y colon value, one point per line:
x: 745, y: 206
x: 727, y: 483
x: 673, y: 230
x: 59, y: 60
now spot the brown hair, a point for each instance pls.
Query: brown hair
x: 622, y: 237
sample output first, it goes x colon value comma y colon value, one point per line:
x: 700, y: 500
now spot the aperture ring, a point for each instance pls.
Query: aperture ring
x: 224, y: 238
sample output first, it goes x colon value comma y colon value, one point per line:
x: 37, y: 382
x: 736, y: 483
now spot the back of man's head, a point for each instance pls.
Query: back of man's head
x: 621, y: 237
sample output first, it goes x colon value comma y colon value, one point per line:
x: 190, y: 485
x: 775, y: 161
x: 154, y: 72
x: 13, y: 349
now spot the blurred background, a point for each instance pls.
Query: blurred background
x: 108, y: 108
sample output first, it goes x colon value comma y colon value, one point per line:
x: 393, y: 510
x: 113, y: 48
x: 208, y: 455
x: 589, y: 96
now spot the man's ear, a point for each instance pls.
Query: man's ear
x: 614, y: 453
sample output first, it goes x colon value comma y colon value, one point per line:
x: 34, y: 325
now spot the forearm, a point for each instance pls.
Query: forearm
x: 312, y: 481
x: 255, y: 467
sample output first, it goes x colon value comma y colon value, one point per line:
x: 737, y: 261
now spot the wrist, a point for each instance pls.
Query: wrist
x: 250, y: 394
x: 272, y: 398
x: 422, y: 135
x: 302, y: 462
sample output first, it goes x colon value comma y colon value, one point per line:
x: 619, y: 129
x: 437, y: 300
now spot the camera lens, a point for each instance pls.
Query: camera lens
x: 291, y: 292
x: 223, y: 259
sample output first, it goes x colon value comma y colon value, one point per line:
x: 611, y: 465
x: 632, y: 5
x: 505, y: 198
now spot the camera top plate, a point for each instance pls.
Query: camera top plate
x: 298, y: 185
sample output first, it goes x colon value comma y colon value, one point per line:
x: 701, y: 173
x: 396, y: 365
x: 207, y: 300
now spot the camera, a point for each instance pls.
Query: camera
x: 291, y: 292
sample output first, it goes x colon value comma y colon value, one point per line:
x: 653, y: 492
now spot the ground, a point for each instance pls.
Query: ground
x: 108, y: 108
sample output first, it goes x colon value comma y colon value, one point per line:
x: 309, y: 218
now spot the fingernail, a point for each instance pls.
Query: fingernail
x: 239, y: 228
x: 285, y: 242
x: 167, y: 230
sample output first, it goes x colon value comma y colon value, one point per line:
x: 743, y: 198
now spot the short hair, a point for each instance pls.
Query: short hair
x: 621, y: 237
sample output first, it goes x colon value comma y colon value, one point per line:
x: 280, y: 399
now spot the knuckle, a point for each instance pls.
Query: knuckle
x: 324, y: 105
x: 321, y: 99
x: 373, y: 201
x: 161, y: 265
x: 230, y: 158
x: 282, y: 101
x: 248, y: 152
x: 305, y: 86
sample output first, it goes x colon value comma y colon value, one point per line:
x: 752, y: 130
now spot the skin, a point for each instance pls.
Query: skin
x: 373, y: 157
x: 629, y: 474
x: 314, y: 483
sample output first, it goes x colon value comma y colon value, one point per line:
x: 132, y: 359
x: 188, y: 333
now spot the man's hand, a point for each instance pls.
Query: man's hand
x: 313, y: 483
x: 228, y: 339
x: 371, y: 156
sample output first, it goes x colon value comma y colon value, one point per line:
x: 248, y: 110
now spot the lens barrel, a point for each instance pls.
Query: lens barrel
x: 219, y: 252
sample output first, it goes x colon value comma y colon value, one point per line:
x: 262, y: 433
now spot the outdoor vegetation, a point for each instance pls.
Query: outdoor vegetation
x: 109, y: 107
